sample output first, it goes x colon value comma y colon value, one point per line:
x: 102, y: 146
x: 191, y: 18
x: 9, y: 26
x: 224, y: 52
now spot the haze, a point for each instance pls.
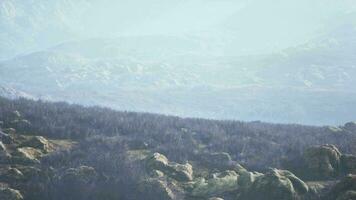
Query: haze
x: 280, y: 61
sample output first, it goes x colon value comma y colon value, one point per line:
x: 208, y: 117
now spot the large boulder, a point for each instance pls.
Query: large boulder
x: 10, y: 194
x: 322, y: 162
x: 219, y: 183
x: 276, y: 184
x: 344, y: 190
x: 179, y: 172
x: 247, y: 178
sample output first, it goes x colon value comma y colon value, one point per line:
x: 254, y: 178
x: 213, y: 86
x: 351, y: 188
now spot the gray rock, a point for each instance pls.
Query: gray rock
x: 277, y: 184
x: 10, y: 194
x: 322, y: 162
x: 180, y: 172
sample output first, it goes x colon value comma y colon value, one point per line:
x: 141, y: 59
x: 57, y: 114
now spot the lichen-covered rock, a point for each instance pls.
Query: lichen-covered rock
x: 10, y: 194
x: 27, y: 155
x: 218, y: 184
x: 348, y: 163
x: 276, y: 184
x: 180, y: 172
x: 344, y: 190
x: 322, y: 162
x: 247, y: 178
x: 38, y: 142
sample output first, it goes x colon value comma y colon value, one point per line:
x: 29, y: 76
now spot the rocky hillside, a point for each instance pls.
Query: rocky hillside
x: 60, y: 151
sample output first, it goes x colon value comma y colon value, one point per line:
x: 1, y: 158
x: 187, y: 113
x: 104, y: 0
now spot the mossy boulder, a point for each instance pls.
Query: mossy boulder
x: 10, y: 194
x: 246, y: 179
x: 322, y: 162
x: 219, y: 183
x: 179, y: 172
x: 277, y: 184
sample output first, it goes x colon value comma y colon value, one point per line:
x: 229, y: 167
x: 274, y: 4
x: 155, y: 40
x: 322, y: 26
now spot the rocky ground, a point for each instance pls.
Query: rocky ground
x: 34, y: 167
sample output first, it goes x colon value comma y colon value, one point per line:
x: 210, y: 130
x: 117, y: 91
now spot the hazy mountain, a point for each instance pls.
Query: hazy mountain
x: 305, y: 84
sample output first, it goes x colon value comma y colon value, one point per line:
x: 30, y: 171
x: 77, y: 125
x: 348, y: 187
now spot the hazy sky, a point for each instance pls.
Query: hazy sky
x: 255, y: 26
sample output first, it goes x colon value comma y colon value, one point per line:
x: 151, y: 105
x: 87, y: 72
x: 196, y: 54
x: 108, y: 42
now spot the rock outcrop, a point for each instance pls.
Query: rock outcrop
x: 276, y: 184
x: 219, y: 183
x: 322, y: 162
x: 38, y: 142
x: 179, y: 172
x: 161, y: 188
